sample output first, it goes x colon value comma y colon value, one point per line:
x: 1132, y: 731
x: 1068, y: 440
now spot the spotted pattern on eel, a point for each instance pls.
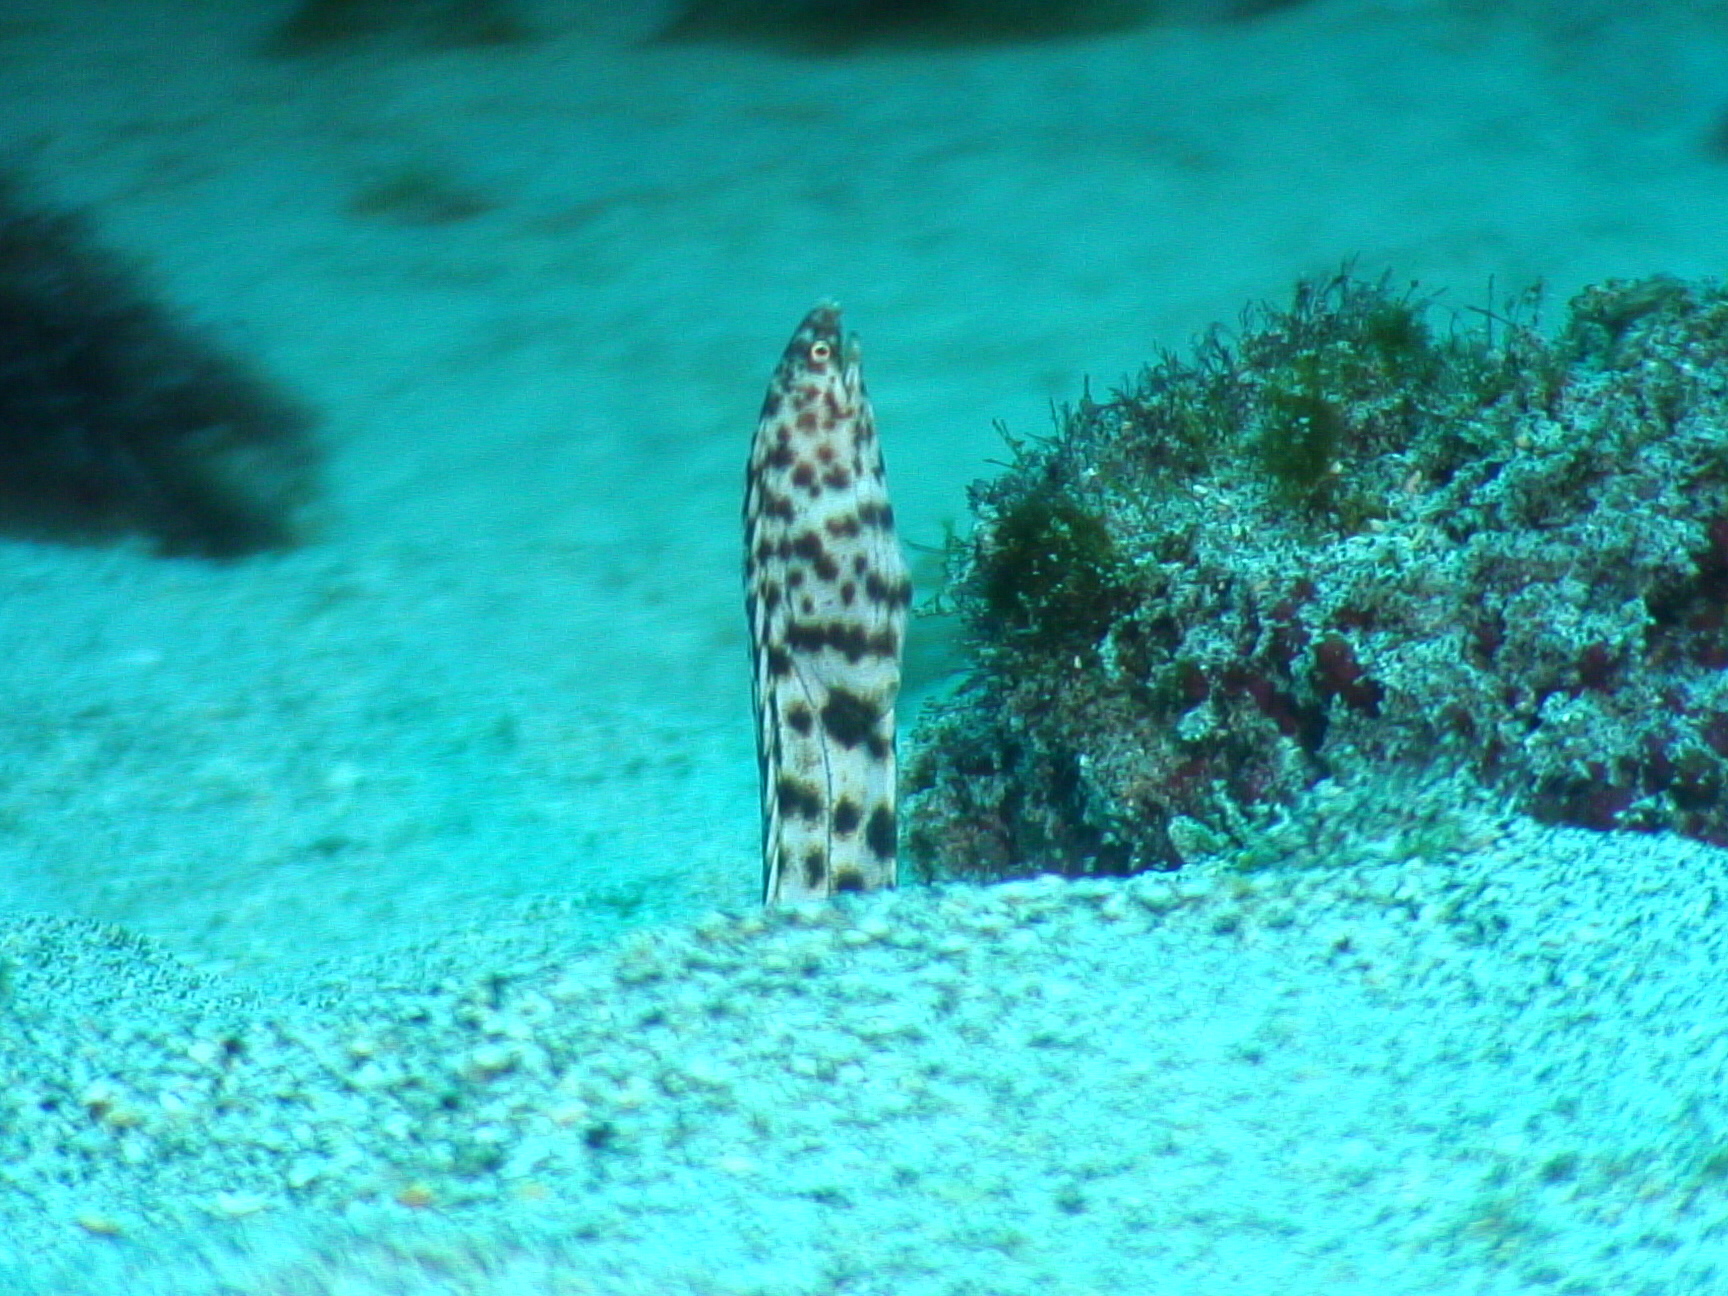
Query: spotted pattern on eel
x: 826, y: 591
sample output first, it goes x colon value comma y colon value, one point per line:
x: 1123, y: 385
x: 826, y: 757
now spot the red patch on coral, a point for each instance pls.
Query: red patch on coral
x: 1338, y: 674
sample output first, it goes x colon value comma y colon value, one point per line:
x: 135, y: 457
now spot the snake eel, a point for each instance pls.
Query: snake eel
x: 826, y: 593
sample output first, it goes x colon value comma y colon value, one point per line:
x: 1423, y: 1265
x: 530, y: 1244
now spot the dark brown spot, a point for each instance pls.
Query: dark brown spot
x: 880, y: 835
x: 880, y: 516
x: 771, y: 595
x: 847, y: 815
x: 779, y: 662
x: 780, y: 456
x: 807, y: 421
x: 849, y: 719
x: 837, y: 479
x: 860, y: 564
x: 777, y: 506
x: 807, y: 636
x: 771, y: 404
x: 848, y: 592
x: 799, y: 718
x: 848, y: 879
x: 895, y: 595
x: 815, y: 869
x: 845, y: 638
x: 814, y: 636
x: 825, y: 453
x: 809, y: 547
x: 797, y: 799
x: 804, y: 477
x: 841, y: 528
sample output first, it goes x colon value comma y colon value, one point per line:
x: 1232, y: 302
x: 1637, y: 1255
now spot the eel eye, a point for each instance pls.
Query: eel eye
x: 820, y: 351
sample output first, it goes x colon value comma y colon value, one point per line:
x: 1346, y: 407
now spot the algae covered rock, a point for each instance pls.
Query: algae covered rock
x: 315, y: 26
x: 118, y: 418
x: 1358, y: 537
x: 834, y: 26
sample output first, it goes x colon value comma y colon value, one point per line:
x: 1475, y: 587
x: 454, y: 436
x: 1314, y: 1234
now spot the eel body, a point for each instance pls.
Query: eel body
x: 826, y: 591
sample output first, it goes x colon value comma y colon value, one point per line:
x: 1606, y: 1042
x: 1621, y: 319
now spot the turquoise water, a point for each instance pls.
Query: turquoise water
x: 532, y: 291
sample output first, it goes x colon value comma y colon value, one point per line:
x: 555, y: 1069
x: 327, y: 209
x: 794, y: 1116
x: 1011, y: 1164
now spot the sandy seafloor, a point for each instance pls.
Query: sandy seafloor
x: 511, y: 664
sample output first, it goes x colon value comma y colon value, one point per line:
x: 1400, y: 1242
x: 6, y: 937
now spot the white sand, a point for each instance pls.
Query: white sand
x: 513, y: 664
x: 1377, y: 1070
